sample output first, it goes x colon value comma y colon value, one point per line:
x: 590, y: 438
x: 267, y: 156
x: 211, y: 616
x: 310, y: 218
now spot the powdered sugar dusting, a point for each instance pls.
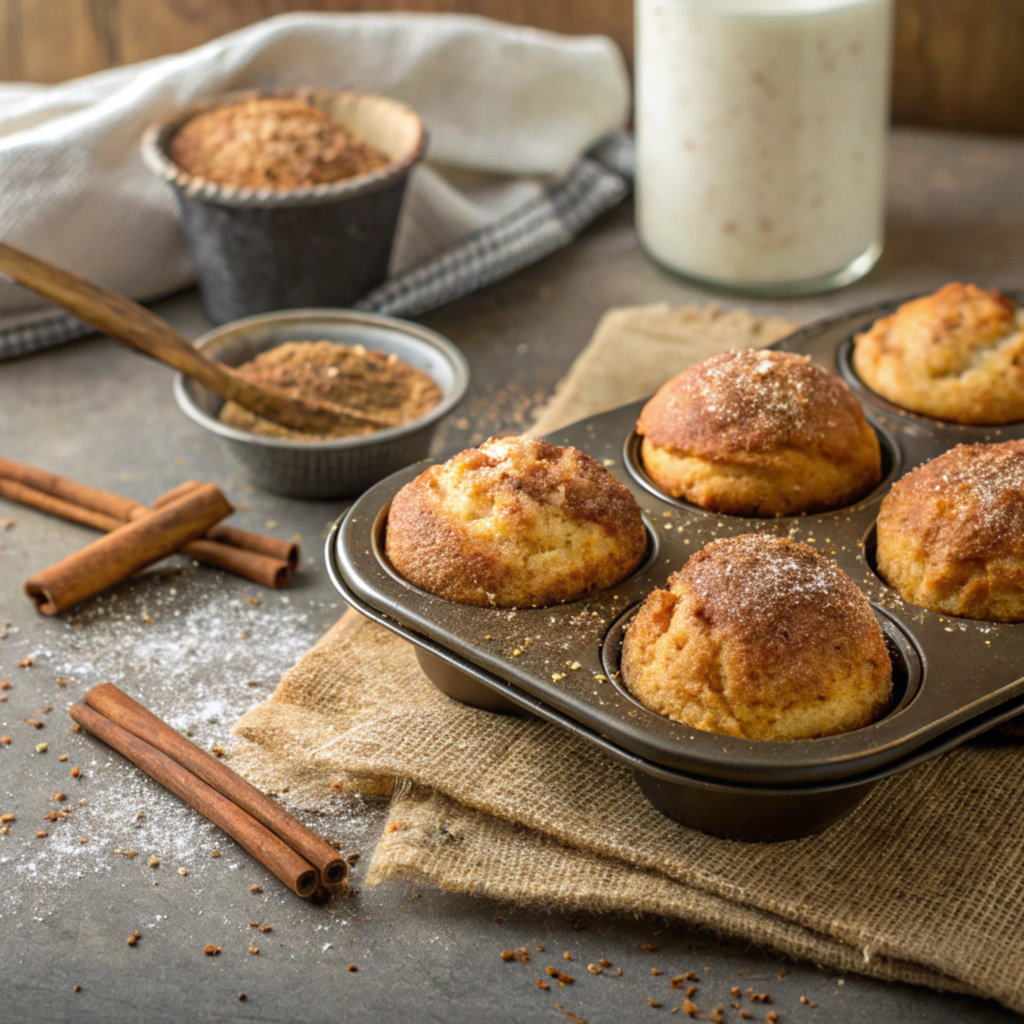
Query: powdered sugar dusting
x: 188, y: 651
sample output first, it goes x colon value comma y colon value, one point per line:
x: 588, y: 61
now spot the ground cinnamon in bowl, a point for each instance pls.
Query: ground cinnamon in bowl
x: 386, y: 388
x: 278, y: 143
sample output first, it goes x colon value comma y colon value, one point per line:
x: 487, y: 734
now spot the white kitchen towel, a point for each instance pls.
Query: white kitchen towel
x: 510, y: 113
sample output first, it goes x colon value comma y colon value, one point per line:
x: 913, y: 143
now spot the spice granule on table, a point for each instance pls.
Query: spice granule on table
x: 327, y: 374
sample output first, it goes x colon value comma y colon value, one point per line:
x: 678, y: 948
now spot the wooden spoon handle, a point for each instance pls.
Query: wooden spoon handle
x: 136, y: 326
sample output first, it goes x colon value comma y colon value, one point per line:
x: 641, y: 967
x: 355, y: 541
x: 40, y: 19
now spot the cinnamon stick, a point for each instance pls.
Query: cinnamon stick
x: 60, y: 487
x: 24, y: 495
x: 272, y: 547
x: 272, y: 852
x: 126, y: 550
x: 119, y: 708
x: 271, y: 562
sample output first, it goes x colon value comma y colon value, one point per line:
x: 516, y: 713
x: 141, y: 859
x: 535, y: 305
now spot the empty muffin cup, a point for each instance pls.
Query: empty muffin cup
x: 255, y: 250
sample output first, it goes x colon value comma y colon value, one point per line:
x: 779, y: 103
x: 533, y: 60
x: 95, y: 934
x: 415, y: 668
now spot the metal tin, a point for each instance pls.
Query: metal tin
x: 257, y: 250
x: 340, y: 467
x: 954, y: 677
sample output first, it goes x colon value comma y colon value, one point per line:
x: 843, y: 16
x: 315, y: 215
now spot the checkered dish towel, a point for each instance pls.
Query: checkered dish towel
x: 525, y: 149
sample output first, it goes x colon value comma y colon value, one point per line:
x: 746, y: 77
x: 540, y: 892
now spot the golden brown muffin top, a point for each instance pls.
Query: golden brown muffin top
x: 967, y: 503
x: 517, y: 522
x: 939, y: 335
x: 525, y: 474
x: 271, y: 143
x: 751, y: 402
x: 774, y: 596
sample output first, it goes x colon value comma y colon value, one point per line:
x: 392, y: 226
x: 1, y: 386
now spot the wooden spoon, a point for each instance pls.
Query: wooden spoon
x: 128, y: 322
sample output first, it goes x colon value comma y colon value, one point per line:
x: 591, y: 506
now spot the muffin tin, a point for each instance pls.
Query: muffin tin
x: 953, y: 678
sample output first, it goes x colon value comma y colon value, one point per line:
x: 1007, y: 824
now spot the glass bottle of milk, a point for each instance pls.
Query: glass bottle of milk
x: 761, y: 132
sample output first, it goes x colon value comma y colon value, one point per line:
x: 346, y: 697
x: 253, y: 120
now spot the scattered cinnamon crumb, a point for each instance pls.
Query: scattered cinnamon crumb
x: 691, y: 991
x: 393, y: 827
x: 241, y: 996
x: 690, y: 1009
x: 254, y: 950
x: 746, y: 1015
x: 133, y: 938
x: 567, y: 956
x: 646, y: 947
x: 211, y: 950
x: 618, y: 971
x: 655, y: 971
x: 266, y: 928
x: 182, y: 871
x: 154, y: 862
x: 218, y: 751
x: 215, y: 853
x: 542, y: 984
x: 63, y: 757
x: 6, y: 817
x: 653, y: 1003
x: 5, y: 740
x: 568, y: 1015
x: 594, y: 969
x: 352, y: 967
x: 772, y: 1017
x: 75, y: 772
x: 715, y: 1016
x: 77, y: 988
x: 540, y: 949
x: 25, y: 663
x: 807, y: 1002
x: 689, y: 976
x: 252, y: 600
x: 83, y: 839
x: 783, y: 973
x: 41, y: 835
x: 604, y: 963
x: 255, y: 888
x: 42, y: 748
x: 76, y: 728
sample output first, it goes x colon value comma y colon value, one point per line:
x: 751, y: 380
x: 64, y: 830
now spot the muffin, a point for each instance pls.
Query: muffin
x: 517, y: 522
x: 955, y: 355
x: 759, y: 637
x: 759, y: 433
x: 951, y: 533
x: 273, y: 143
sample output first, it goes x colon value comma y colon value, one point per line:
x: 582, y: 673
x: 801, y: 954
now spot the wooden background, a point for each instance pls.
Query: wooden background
x: 959, y: 63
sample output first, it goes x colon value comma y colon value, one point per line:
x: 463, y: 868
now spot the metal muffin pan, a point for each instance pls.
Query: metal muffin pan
x: 955, y: 677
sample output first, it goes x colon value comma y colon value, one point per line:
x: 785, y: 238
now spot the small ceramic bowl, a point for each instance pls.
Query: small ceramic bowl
x: 341, y: 467
x: 257, y: 250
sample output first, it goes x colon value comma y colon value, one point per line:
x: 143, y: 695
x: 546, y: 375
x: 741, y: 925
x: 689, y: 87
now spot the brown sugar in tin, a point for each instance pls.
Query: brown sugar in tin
x: 954, y: 678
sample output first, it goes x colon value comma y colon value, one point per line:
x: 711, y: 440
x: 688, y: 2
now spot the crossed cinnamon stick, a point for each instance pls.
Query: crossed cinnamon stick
x: 186, y: 519
x: 300, y: 858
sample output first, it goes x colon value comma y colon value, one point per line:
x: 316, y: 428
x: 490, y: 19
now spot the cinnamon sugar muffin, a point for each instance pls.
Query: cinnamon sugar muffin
x: 759, y: 433
x: 275, y: 143
x: 517, y: 522
x: 951, y: 533
x: 759, y: 637
x: 957, y: 355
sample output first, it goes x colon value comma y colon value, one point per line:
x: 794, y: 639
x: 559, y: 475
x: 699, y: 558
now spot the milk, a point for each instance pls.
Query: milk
x: 761, y: 132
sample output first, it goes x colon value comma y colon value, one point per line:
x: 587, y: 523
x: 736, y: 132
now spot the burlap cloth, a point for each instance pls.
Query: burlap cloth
x: 922, y: 883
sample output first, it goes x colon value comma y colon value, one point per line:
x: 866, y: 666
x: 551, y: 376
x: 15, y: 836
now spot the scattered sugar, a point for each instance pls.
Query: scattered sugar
x: 190, y: 665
